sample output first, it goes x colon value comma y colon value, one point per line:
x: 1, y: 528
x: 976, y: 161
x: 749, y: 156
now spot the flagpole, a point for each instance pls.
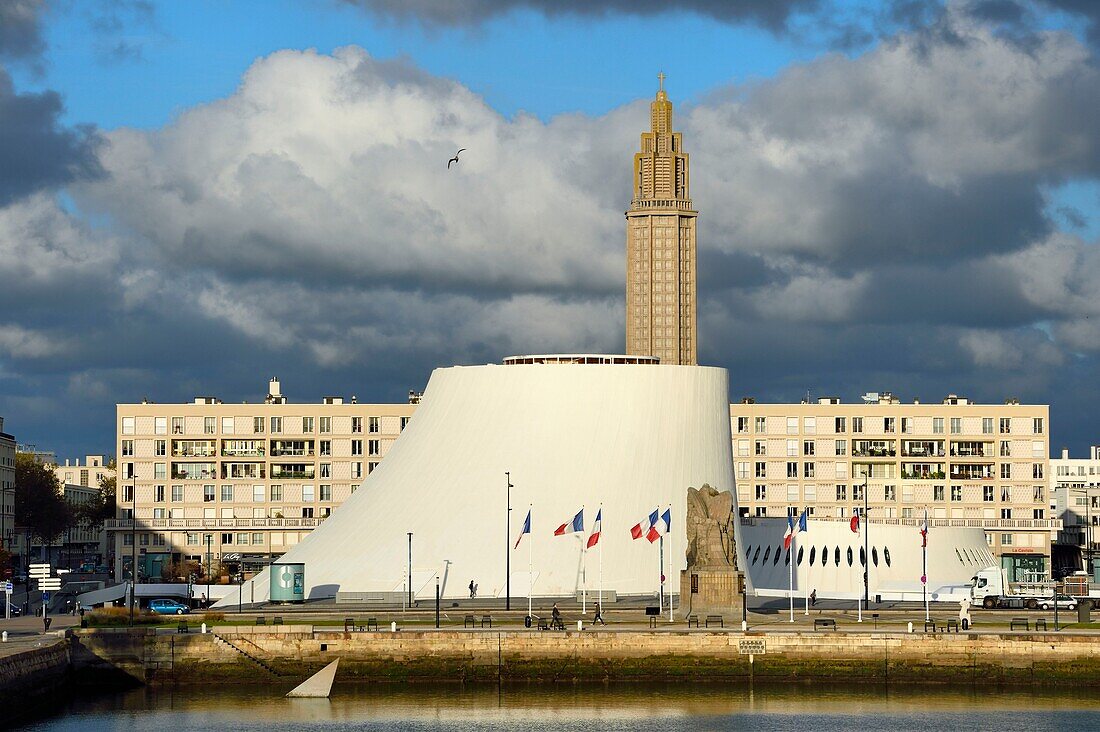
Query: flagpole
x: 790, y: 565
x: 668, y: 525
x: 584, y: 570
x: 600, y: 514
x: 661, y: 588
x: 859, y: 596
x: 924, y: 559
x: 530, y: 564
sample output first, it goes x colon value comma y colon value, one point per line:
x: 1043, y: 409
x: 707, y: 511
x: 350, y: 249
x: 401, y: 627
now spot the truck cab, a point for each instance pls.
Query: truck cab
x: 988, y: 586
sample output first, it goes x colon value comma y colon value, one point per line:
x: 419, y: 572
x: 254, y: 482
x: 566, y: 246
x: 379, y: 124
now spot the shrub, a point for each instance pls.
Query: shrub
x: 114, y: 617
x: 213, y: 617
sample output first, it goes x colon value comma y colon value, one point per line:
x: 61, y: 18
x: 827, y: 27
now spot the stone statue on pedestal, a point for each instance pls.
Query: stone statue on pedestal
x: 712, y: 583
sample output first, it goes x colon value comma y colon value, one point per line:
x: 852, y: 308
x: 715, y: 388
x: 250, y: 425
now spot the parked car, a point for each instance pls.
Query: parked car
x: 168, y: 607
x: 16, y: 611
x: 19, y: 578
x: 1065, y: 602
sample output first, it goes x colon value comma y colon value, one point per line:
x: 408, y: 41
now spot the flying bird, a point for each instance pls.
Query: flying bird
x: 455, y: 158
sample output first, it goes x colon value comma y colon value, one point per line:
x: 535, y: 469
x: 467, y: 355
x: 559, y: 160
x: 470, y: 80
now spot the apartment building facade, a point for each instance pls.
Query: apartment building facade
x: 965, y: 464
x: 212, y: 482
x: 7, y: 489
x: 1075, y: 499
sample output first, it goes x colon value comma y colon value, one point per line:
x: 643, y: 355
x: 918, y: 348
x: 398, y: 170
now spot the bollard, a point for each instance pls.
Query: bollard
x: 4, y: 636
x: 744, y: 625
x: 393, y: 627
x: 580, y: 625
x: 204, y: 628
x: 910, y: 626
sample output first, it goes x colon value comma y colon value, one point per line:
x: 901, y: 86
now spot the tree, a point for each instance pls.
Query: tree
x: 39, y: 504
x: 95, y: 512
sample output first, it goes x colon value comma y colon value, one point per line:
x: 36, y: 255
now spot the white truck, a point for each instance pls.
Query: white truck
x: 990, y: 588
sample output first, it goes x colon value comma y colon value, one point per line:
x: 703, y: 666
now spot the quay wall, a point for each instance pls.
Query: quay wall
x: 28, y: 674
x: 259, y: 654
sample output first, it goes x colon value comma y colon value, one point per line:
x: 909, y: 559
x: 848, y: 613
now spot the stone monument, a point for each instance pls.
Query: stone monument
x: 712, y: 583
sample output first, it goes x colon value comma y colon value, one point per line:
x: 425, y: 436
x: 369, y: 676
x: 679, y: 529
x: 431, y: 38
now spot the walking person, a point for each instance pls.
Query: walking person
x: 555, y: 618
x: 813, y: 597
x: 598, y: 617
x: 473, y: 590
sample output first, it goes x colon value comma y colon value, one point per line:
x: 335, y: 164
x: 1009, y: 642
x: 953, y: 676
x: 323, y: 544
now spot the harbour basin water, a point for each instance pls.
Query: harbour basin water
x: 626, y: 708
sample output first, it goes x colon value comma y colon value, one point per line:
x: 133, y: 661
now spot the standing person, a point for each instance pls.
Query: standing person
x: 598, y: 617
x: 555, y: 616
x: 473, y: 590
x: 813, y: 597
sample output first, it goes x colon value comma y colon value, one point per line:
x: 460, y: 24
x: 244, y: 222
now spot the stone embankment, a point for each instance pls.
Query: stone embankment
x: 32, y: 671
x: 259, y: 654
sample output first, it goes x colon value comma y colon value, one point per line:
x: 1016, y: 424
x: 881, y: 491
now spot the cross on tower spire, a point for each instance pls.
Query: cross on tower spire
x: 661, y: 81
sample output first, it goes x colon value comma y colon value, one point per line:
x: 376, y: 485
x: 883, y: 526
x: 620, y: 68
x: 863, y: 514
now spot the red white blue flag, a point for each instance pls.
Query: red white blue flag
x: 576, y: 526
x: 924, y: 533
x: 526, y: 529
x: 594, y: 537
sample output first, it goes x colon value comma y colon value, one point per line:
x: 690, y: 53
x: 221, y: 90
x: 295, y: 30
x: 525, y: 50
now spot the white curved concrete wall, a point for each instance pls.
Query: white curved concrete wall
x: 954, y: 556
x: 632, y: 437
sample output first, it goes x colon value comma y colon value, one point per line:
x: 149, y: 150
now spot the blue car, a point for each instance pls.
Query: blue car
x: 168, y: 607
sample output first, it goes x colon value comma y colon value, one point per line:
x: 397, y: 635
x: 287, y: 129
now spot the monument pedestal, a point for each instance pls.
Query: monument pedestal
x: 712, y: 591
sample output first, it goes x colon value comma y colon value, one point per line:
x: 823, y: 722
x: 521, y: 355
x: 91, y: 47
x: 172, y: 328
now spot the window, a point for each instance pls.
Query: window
x: 326, y: 470
x: 761, y: 425
x: 276, y: 425
x: 907, y: 513
x: 906, y: 425
x: 792, y: 495
x: 404, y: 422
x: 307, y: 494
x: 1037, y: 494
x: 160, y: 425
x: 370, y: 469
x: 210, y: 425
x: 857, y: 493
x: 742, y: 425
x: 1037, y: 425
x: 160, y: 471
x: 276, y: 492
x: 1006, y: 493
x: 792, y: 470
x: 258, y: 539
x: 326, y: 492
x: 325, y: 425
x: 177, y: 425
x: 357, y: 470
x: 956, y: 426
x: 742, y: 448
x: 325, y: 448
x: 227, y: 426
x: 1006, y: 425
x: 808, y: 447
x: 956, y: 493
x: 1006, y: 449
x: 356, y: 424
x: 841, y: 492
x: 857, y: 424
x: 761, y: 511
x: 742, y: 470
x: 809, y: 425
x: 937, y: 493
x: 1037, y: 470
x: 890, y: 493
x: 374, y: 425
x: 158, y: 493
x: 307, y: 424
x: 307, y: 512
x: 792, y: 425
x: 127, y: 448
x: 257, y: 425
x: 207, y: 493
x: 356, y: 447
x: 761, y: 447
x: 1006, y: 513
x: 987, y: 493
x: 160, y: 448
x: 987, y: 425
x: 761, y: 492
x: 227, y: 493
x: 177, y: 493
x: 841, y: 447
x: 840, y: 425
x: 227, y: 538
x: 761, y: 470
x: 127, y: 425
x: 1038, y: 449
x: 807, y: 470
x: 937, y: 425
x: 1038, y: 513
x: 888, y: 424
x: 1006, y: 471
x: 257, y: 493
x: 192, y: 539
x: 127, y: 493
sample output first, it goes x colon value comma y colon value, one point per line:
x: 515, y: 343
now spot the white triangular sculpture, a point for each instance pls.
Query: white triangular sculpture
x: 319, y: 685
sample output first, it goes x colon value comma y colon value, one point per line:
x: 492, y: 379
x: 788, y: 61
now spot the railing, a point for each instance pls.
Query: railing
x: 643, y: 203
x: 290, y: 452
x: 874, y: 452
x: 964, y: 523
x: 256, y: 452
x: 922, y: 453
x: 214, y: 523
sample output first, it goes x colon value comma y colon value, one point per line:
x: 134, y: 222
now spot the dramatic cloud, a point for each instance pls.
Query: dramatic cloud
x: 20, y: 31
x: 875, y: 222
x: 769, y: 13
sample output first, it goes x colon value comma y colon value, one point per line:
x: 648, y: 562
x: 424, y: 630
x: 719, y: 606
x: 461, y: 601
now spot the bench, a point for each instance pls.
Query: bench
x: 372, y: 623
x: 1042, y: 622
x: 929, y: 626
x: 261, y: 620
x: 1016, y: 622
x: 652, y: 610
x: 557, y: 624
x: 349, y: 625
x: 951, y: 624
x: 652, y: 621
x: 823, y: 623
x: 714, y: 619
x: 469, y: 622
x: 693, y: 620
x: 486, y: 619
x: 277, y: 620
x: 181, y: 627
x: 544, y: 624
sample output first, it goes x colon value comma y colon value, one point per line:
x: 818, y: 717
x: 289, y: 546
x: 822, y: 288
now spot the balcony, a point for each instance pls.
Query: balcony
x: 967, y: 523
x: 194, y: 449
x: 874, y: 448
x: 972, y: 449
x: 243, y: 448
x: 243, y: 471
x: 194, y: 471
x: 292, y: 470
x: 292, y: 448
x: 215, y: 523
x: 970, y: 471
x: 922, y: 471
x: 922, y: 448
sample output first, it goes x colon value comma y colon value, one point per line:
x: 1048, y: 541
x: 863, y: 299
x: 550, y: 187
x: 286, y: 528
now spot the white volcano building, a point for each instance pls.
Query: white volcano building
x: 623, y: 433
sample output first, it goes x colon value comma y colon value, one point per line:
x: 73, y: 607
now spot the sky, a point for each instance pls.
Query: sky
x: 894, y: 195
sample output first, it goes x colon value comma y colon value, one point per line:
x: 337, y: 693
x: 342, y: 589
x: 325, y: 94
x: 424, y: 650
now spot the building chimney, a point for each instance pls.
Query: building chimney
x: 274, y: 392
x: 1065, y: 453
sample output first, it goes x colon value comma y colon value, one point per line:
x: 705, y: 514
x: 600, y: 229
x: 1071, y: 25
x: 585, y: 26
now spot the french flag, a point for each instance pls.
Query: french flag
x: 526, y: 529
x: 924, y: 533
x: 594, y: 537
x: 790, y: 532
x: 656, y: 531
x: 643, y: 527
x: 576, y: 527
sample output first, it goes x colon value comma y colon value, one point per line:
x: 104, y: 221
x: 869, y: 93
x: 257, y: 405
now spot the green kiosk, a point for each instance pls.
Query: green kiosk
x: 288, y: 582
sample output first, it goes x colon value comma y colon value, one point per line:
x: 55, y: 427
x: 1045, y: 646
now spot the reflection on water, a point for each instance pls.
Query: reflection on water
x: 616, y: 707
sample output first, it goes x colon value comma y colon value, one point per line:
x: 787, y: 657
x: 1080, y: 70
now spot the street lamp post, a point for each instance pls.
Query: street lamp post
x: 508, y: 543
x: 209, y: 541
x: 133, y: 542
x: 866, y: 544
x: 410, y: 570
